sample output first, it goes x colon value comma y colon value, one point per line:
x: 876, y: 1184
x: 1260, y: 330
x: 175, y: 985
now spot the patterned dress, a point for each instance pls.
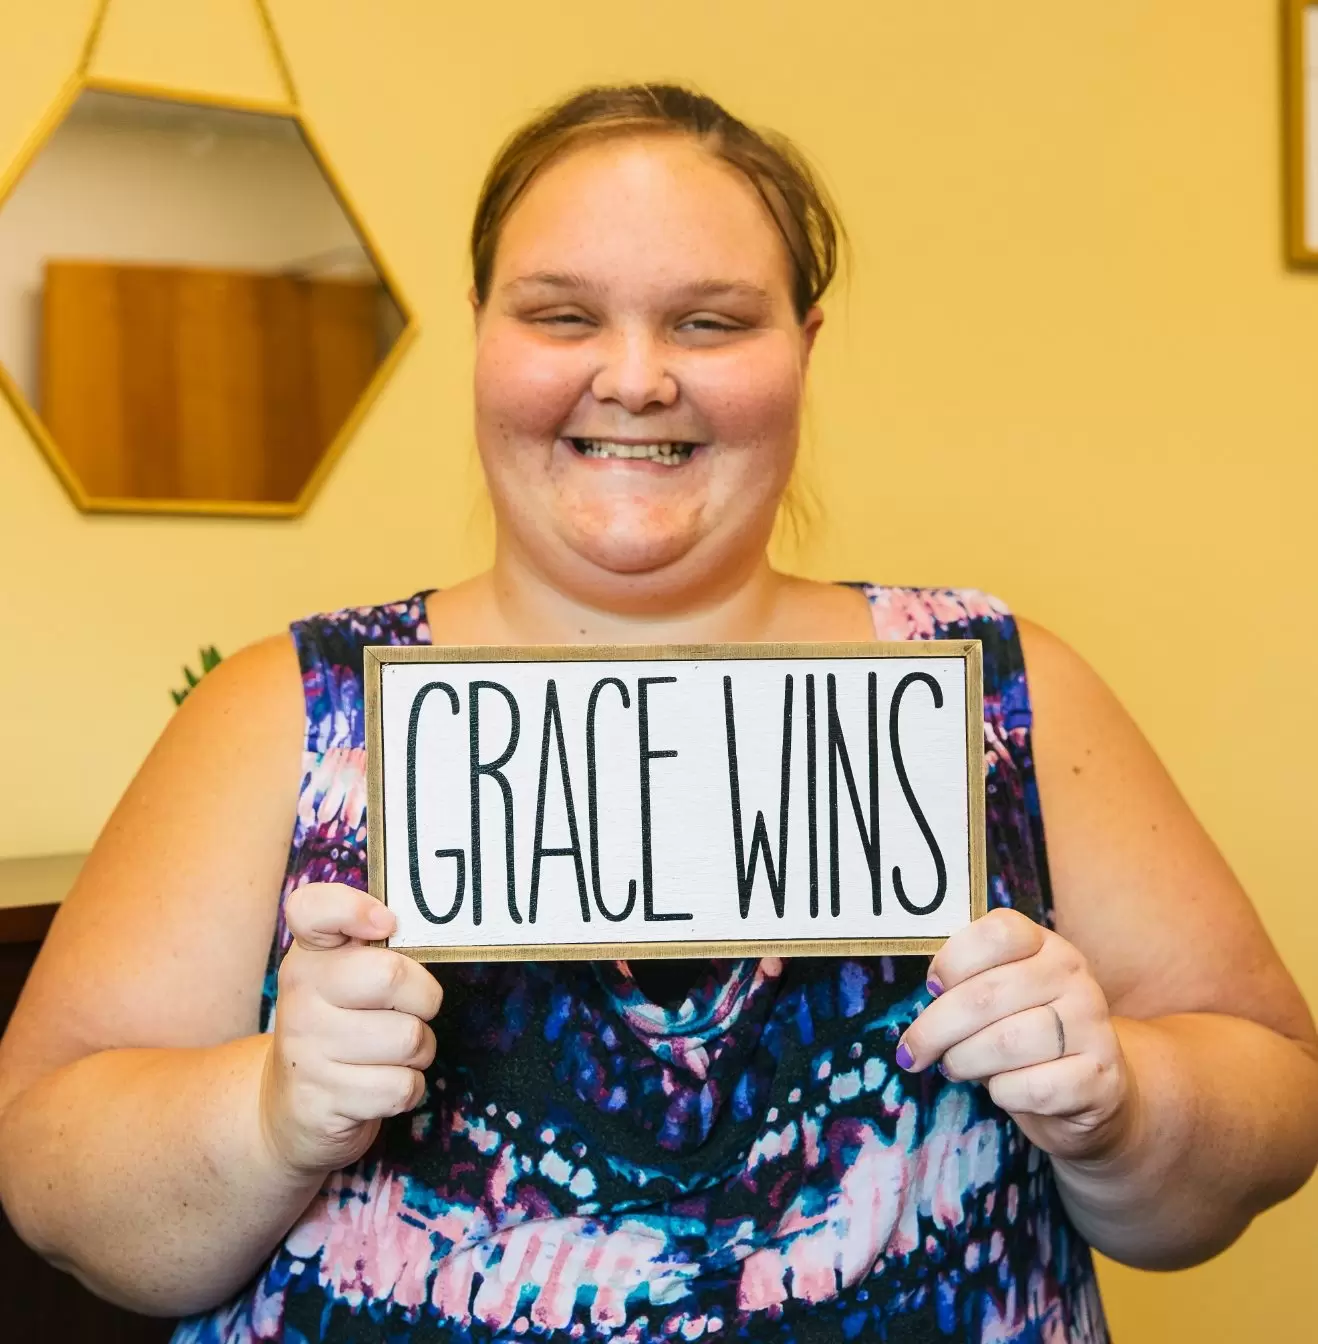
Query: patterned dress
x: 588, y: 1164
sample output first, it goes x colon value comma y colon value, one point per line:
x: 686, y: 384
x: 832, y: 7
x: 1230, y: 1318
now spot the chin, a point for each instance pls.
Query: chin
x: 631, y: 557
x: 635, y: 575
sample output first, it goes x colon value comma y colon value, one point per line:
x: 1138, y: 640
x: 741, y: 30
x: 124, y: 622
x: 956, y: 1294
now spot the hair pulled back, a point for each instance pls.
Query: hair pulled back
x: 795, y: 199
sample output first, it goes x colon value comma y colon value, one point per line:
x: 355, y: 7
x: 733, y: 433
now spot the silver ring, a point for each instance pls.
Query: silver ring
x: 1061, y: 1030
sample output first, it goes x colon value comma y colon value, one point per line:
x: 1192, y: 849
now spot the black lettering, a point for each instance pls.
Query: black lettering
x: 940, y: 867
x: 554, y: 722
x: 413, y: 852
x: 592, y: 802
x: 776, y: 874
x: 837, y: 750
x: 643, y: 685
x: 494, y: 770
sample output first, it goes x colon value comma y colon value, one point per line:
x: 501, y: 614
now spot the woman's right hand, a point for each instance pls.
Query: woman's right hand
x: 350, y: 1039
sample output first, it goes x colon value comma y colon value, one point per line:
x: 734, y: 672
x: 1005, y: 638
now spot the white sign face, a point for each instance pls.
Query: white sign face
x: 723, y: 800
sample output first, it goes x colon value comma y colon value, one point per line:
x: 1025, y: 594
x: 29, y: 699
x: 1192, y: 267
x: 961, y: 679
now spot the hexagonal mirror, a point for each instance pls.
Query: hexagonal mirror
x: 189, y: 315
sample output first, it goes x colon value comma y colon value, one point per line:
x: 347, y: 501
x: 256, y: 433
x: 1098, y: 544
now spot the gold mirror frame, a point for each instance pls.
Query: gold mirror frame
x: 1301, y: 158
x: 289, y: 108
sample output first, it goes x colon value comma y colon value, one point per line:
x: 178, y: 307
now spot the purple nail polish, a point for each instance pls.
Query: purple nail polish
x: 934, y: 986
x: 905, y: 1059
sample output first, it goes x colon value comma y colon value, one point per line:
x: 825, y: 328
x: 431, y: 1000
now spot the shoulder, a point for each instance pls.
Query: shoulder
x: 1083, y: 737
x: 244, y: 724
x: 311, y: 669
x: 256, y: 687
x: 1048, y: 652
x: 1069, y: 697
x: 270, y: 688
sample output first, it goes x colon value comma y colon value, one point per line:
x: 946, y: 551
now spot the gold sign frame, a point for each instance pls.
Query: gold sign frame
x: 1301, y: 157
x: 288, y: 107
x: 969, y: 651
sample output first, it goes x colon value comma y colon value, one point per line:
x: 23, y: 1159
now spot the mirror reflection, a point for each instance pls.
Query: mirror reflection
x: 185, y: 302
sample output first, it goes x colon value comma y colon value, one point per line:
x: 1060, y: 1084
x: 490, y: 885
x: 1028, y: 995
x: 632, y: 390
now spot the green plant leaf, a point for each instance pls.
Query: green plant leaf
x: 210, y: 660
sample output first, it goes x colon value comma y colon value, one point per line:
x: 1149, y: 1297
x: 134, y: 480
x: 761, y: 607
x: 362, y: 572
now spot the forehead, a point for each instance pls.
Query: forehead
x: 643, y: 208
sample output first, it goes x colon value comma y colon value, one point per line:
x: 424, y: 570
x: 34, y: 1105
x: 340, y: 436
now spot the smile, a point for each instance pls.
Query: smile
x: 665, y: 454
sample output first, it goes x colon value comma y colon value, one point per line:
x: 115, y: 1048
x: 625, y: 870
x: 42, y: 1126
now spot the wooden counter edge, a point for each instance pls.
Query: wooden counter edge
x: 25, y: 923
x: 31, y: 890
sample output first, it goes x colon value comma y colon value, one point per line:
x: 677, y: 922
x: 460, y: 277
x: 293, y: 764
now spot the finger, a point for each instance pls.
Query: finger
x: 379, y: 1036
x: 992, y: 997
x: 994, y: 939
x: 364, y: 1092
x: 1074, y: 1086
x: 377, y: 977
x: 1016, y: 1042
x: 329, y: 914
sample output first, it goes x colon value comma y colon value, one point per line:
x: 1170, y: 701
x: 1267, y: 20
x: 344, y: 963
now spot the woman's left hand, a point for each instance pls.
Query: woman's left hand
x: 1017, y: 1009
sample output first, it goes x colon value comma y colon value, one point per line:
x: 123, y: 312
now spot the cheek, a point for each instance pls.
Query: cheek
x: 750, y: 402
x: 522, y: 388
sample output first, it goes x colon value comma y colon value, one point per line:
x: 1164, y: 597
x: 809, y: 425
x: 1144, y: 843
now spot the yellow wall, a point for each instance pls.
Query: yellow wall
x: 1070, y: 367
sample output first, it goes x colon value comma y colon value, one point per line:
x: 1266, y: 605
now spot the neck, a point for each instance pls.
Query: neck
x: 740, y: 606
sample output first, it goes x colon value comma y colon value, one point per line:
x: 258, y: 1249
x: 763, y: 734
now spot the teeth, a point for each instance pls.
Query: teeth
x: 667, y: 454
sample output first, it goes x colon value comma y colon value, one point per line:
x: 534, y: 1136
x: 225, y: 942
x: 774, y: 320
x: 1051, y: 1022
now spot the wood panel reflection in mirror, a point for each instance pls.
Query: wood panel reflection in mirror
x: 188, y: 309
x: 182, y: 383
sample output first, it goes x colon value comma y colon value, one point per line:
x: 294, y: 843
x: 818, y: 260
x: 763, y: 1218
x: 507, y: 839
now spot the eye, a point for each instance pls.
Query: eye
x: 709, y: 324
x: 561, y: 321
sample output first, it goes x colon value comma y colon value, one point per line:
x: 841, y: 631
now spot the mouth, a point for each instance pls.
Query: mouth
x: 672, y: 454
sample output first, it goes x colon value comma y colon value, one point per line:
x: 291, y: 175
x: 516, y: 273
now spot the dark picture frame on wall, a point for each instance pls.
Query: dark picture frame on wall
x: 1301, y: 60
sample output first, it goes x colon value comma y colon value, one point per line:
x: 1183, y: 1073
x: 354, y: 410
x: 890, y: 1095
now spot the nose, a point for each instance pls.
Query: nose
x: 632, y: 373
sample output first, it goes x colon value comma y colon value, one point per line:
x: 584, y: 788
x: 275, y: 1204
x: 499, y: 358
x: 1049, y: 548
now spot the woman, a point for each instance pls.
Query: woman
x: 587, y: 1149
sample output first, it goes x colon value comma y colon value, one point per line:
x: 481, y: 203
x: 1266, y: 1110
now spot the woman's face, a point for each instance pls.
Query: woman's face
x: 639, y: 374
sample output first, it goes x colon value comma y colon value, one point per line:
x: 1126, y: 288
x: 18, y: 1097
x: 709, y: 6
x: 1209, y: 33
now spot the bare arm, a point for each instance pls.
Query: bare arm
x: 126, y: 1083
x: 1220, y: 1045
x: 1154, y: 1044
x: 150, y: 1142
x: 145, y: 1174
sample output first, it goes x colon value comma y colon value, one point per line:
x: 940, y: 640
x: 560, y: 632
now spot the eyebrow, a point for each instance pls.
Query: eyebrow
x: 696, y: 289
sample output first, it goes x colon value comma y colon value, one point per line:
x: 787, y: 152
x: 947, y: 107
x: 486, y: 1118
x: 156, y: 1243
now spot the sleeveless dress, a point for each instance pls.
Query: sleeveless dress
x: 588, y: 1164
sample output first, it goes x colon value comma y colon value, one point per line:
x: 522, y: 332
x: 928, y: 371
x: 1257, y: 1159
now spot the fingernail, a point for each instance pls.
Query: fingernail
x: 905, y: 1060
x: 934, y: 986
x: 381, y: 919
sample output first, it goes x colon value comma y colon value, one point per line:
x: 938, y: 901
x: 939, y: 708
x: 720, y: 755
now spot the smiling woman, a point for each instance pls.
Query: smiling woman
x: 581, y: 354
x: 753, y: 1149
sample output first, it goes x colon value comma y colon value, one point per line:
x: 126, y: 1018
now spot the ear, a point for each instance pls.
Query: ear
x: 810, y: 324
x: 476, y: 305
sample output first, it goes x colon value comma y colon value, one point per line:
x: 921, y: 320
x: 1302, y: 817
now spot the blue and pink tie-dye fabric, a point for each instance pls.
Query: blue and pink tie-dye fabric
x: 590, y: 1165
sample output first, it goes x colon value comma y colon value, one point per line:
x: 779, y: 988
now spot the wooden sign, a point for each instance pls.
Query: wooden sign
x: 717, y: 800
